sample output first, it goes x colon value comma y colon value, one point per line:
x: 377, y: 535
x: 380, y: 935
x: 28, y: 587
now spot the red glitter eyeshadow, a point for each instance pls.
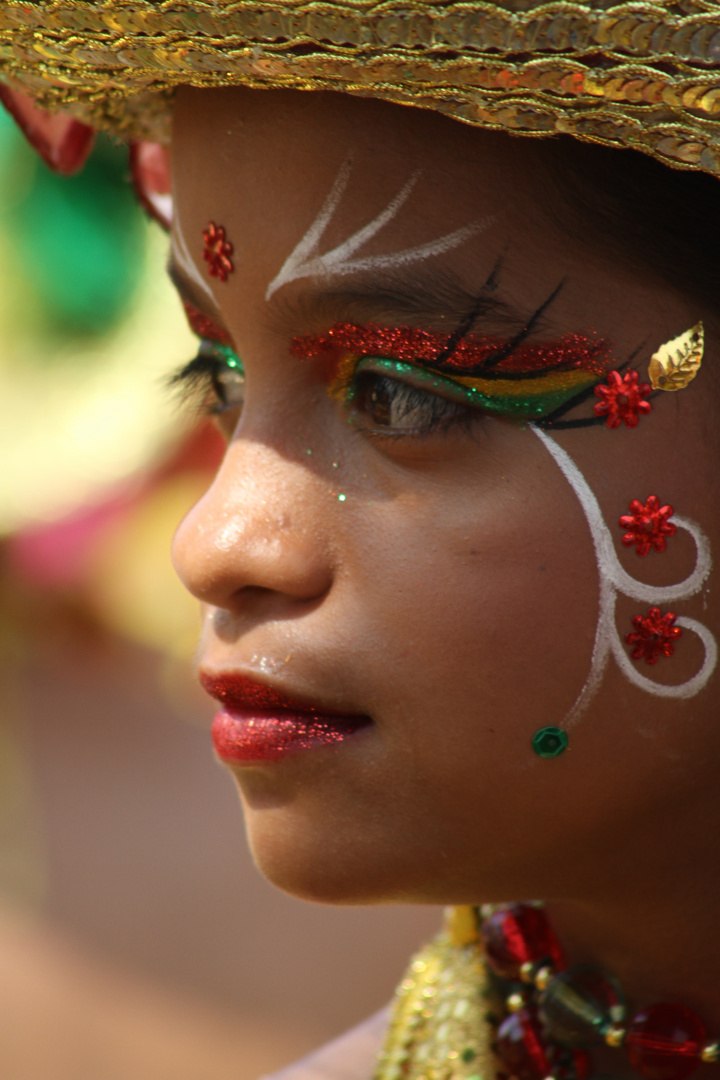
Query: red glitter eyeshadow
x: 571, y: 352
x: 203, y: 325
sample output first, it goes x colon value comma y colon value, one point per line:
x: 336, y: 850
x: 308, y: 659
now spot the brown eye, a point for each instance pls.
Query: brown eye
x: 223, y: 369
x: 377, y: 400
x: 391, y: 405
x: 388, y: 403
x: 230, y: 387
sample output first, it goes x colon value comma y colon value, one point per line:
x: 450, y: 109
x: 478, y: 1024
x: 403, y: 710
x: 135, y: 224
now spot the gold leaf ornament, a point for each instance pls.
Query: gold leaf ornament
x: 677, y: 362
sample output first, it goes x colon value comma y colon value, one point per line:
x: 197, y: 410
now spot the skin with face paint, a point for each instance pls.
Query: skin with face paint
x: 441, y: 576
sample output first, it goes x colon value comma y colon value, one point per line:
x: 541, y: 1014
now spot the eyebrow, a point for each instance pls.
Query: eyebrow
x: 429, y: 298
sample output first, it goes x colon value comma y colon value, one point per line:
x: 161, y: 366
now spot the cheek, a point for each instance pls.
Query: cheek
x: 470, y: 586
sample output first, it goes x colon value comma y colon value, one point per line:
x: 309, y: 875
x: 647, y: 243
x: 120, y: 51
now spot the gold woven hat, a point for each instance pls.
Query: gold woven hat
x: 639, y: 75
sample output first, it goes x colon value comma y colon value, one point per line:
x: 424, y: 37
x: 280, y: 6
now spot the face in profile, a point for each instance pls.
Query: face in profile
x: 411, y: 559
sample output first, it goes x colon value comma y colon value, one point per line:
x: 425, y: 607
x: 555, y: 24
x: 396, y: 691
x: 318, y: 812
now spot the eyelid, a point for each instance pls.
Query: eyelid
x: 417, y: 376
x: 225, y: 353
x: 204, y: 327
x: 532, y: 399
x: 528, y: 381
x: 484, y: 356
x: 200, y: 374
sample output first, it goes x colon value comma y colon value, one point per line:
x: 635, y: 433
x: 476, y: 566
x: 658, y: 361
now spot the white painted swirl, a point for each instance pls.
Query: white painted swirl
x: 613, y: 579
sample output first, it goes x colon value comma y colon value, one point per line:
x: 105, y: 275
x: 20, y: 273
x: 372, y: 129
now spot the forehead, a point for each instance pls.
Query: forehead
x: 250, y: 152
x: 264, y: 165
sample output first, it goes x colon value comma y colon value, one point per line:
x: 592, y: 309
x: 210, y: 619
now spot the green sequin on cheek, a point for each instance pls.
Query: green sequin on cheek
x: 550, y: 742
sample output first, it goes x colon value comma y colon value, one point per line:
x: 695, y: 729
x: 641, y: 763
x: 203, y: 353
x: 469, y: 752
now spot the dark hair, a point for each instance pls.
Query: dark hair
x: 657, y: 218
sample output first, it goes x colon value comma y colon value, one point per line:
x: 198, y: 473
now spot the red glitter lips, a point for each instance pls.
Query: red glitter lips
x: 260, y: 724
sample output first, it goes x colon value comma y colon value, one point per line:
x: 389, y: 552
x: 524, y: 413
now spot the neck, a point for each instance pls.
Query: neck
x: 660, y: 948
x: 647, y: 913
x: 643, y: 909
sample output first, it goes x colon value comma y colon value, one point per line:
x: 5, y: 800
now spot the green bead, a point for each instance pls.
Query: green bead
x: 468, y: 1055
x: 550, y: 742
x: 578, y: 1006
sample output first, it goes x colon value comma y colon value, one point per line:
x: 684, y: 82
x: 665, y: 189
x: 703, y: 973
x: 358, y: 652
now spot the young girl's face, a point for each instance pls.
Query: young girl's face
x: 409, y: 534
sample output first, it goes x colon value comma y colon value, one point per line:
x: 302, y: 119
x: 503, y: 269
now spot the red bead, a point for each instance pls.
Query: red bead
x: 582, y: 1064
x: 520, y: 1047
x: 570, y: 1064
x: 664, y: 1042
x: 516, y: 935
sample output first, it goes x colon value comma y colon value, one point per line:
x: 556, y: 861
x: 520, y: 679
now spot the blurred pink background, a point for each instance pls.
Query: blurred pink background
x: 137, y: 940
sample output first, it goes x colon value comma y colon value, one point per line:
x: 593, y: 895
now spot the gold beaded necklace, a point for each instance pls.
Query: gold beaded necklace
x: 439, y: 1028
x: 446, y: 1024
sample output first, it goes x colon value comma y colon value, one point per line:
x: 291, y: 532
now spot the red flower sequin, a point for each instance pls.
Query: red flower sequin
x: 647, y: 525
x: 622, y: 399
x: 653, y: 635
x: 217, y: 252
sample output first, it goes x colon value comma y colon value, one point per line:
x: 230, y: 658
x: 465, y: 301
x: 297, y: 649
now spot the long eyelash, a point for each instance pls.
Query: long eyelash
x: 471, y: 318
x: 467, y: 422
x: 458, y: 416
x: 512, y: 345
x: 484, y: 368
x: 553, y: 420
x: 588, y: 421
x: 197, y: 380
x: 479, y: 371
x: 193, y: 375
x: 565, y: 425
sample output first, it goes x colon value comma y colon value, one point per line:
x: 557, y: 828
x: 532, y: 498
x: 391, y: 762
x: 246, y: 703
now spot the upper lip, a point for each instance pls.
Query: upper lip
x: 237, y: 691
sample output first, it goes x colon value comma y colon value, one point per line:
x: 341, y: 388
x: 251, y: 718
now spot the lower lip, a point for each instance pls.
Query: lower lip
x: 253, y: 735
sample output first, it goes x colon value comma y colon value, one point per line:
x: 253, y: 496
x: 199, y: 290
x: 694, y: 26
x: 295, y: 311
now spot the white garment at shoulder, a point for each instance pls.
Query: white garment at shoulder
x: 352, y: 1056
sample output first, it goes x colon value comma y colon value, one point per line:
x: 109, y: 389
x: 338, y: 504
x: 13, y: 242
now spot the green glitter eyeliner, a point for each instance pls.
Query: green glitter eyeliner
x: 532, y: 399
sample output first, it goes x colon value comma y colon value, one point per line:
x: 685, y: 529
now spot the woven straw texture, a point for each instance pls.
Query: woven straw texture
x: 638, y: 75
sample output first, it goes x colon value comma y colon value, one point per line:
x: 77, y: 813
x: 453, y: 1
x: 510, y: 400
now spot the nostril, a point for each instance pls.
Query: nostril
x: 243, y: 554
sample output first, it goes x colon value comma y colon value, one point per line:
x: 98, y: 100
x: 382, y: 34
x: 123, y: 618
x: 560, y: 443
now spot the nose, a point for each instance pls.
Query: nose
x: 260, y: 526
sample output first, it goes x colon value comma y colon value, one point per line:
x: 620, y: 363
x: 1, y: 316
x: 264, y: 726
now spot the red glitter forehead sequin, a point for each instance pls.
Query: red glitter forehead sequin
x: 202, y: 325
x: 648, y: 525
x: 623, y: 399
x: 409, y: 344
x: 217, y: 252
x: 653, y: 635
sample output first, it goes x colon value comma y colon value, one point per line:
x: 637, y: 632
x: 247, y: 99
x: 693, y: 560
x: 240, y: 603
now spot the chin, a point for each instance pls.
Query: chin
x: 310, y: 864
x: 325, y: 860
